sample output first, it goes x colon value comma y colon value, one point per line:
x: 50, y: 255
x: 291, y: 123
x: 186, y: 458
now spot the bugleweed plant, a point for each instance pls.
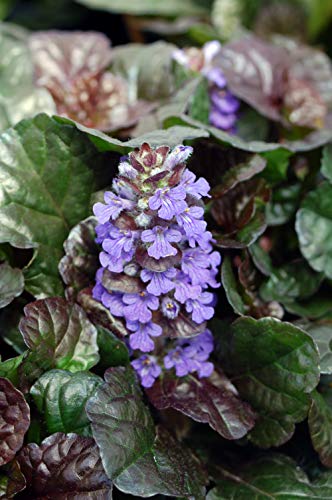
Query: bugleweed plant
x: 166, y: 251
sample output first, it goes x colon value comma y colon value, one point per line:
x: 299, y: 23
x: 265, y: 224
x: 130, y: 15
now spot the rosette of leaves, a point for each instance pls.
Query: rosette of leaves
x: 73, y: 67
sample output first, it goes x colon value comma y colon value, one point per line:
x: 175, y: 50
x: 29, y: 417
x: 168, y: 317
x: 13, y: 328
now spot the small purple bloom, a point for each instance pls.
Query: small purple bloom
x: 138, y: 306
x: 112, y: 209
x: 216, y: 76
x: 161, y: 237
x: 225, y: 102
x: 191, y: 221
x: 102, y: 231
x: 195, y: 264
x: 123, y: 189
x: 179, y: 155
x: 176, y: 358
x: 185, y: 290
x: 113, y: 302
x: 200, y: 308
x: 170, y: 308
x: 125, y: 168
x: 170, y: 200
x: 197, y: 188
x: 120, y: 243
x: 141, y: 338
x: 147, y: 369
x: 160, y: 282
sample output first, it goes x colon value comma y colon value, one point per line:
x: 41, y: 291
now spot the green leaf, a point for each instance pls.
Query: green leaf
x: 11, y: 284
x: 326, y: 167
x: 320, y: 427
x: 147, y: 69
x: 9, y: 368
x: 112, y: 351
x: 200, y: 104
x: 269, y: 478
x: 152, y: 7
x: 314, y: 229
x: 283, y: 205
x: 51, y: 164
x: 61, y: 396
x: 59, y: 335
x: 277, y: 165
x: 19, y: 97
x: 293, y: 281
x: 316, y: 307
x: 231, y: 287
x: 121, y: 424
x: 321, y: 332
x: 276, y: 377
x: 169, y: 137
x: 10, y: 317
x: 168, y: 469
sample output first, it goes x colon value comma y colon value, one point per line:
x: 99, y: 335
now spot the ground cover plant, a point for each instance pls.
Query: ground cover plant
x: 166, y: 249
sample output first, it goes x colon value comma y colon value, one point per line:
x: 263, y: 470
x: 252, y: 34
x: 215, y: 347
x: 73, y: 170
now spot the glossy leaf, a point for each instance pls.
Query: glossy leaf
x: 12, y: 480
x: 52, y: 166
x: 150, y: 7
x: 9, y: 368
x: 321, y: 333
x: 80, y: 263
x: 112, y: 351
x: 320, y: 427
x: 272, y: 477
x: 59, y: 335
x: 14, y: 420
x: 314, y: 229
x: 121, y: 424
x: 168, y: 469
x: 61, y: 396
x: 327, y: 162
x: 213, y: 401
x: 277, y: 376
x: 64, y: 466
x: 11, y: 284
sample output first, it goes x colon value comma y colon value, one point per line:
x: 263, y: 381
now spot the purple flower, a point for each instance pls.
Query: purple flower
x: 160, y: 282
x: 141, y: 338
x: 197, y: 188
x: 170, y: 308
x: 102, y: 231
x: 184, y: 289
x: 138, y: 306
x: 225, y: 102
x: 190, y: 221
x: 195, y: 265
x: 161, y: 237
x: 147, y: 369
x: 123, y: 189
x: 215, y: 76
x: 200, y: 308
x: 113, y: 302
x: 170, y: 200
x: 179, y: 155
x: 125, y: 168
x: 176, y: 358
x: 120, y: 243
x: 112, y: 209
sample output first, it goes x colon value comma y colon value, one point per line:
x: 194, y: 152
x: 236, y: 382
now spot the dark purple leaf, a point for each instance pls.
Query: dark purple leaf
x: 80, y: 263
x: 121, y: 282
x: 11, y: 284
x: 14, y: 420
x: 64, y: 466
x: 121, y: 423
x: 168, y: 469
x: 12, y: 480
x: 59, y: 335
x: 213, y: 401
x: 99, y: 315
x: 72, y: 67
x: 257, y: 72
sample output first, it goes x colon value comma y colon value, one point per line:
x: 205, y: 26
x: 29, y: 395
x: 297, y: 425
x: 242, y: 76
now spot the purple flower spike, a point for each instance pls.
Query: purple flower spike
x: 160, y: 282
x: 139, y: 305
x: 141, y: 338
x: 147, y: 369
x: 171, y: 201
x: 114, y: 206
x: 161, y: 237
x: 161, y: 216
